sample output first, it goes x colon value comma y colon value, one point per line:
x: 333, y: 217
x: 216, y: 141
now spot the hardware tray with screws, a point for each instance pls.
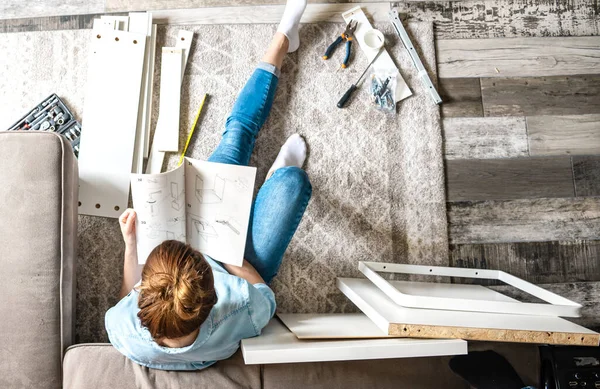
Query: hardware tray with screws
x: 51, y: 115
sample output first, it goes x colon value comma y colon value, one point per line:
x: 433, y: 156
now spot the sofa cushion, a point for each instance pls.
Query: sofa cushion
x: 38, y: 211
x: 100, y: 365
x: 410, y: 373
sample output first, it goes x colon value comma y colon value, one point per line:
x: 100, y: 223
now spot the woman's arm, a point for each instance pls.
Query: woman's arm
x: 246, y: 271
x: 130, y: 263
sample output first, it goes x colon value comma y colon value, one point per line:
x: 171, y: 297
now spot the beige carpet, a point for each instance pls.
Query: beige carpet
x: 378, y: 184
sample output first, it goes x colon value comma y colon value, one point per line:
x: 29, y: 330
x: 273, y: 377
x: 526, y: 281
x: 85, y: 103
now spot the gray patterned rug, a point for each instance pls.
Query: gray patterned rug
x: 378, y: 184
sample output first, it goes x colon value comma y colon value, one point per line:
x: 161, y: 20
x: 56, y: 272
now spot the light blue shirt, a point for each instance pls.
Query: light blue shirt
x: 242, y: 311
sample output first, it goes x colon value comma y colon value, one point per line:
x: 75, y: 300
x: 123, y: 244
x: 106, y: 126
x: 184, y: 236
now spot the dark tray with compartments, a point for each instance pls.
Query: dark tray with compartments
x: 52, y: 114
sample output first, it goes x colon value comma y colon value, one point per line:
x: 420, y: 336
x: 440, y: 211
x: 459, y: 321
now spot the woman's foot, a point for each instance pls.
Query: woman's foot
x: 292, y: 153
x: 290, y: 22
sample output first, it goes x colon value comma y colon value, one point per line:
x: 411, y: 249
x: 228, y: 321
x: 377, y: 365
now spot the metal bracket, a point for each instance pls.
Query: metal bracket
x: 423, y: 75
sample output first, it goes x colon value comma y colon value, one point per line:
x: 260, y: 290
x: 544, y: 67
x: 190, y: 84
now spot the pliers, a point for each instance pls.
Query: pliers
x: 346, y: 36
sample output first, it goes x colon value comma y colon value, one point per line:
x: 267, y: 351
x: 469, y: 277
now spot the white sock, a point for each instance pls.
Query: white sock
x: 290, y: 21
x: 292, y: 153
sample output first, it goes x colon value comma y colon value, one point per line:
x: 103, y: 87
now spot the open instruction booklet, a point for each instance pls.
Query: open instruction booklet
x: 204, y: 204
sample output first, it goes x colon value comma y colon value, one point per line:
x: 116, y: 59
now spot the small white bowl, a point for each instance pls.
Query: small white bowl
x: 374, y: 39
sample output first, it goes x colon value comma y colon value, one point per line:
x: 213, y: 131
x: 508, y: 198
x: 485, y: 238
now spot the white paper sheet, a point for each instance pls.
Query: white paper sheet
x: 159, y: 201
x: 205, y: 204
x: 219, y: 200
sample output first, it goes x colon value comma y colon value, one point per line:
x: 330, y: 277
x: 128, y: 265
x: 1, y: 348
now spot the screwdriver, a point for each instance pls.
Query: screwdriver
x: 353, y: 87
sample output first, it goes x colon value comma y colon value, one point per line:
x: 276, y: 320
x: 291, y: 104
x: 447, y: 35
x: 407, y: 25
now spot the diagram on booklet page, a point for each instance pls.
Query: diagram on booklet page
x: 177, y: 196
x: 229, y: 222
x: 210, y: 194
x: 173, y: 229
x: 203, y: 227
x: 153, y: 201
x: 215, y: 193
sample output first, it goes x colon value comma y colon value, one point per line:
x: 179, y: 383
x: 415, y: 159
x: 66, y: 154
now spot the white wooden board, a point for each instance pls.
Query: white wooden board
x: 184, y: 42
x: 518, y: 57
x: 148, y: 98
x: 141, y: 23
x: 457, y: 297
x: 331, y: 326
x: 156, y: 157
x: 384, y: 62
x: 103, y: 24
x: 389, y: 316
x: 167, y: 135
x: 115, y: 63
x: 121, y: 23
x: 278, y: 345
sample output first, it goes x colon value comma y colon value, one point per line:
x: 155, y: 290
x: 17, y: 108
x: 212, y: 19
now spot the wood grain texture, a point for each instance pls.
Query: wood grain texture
x: 585, y: 293
x: 509, y: 178
x: 13, y: 9
x: 564, y: 135
x: 410, y: 322
x: 377, y: 12
x: 51, y: 23
x: 518, y: 57
x: 529, y: 220
x: 529, y: 96
x: 146, y: 5
x: 483, y: 138
x: 586, y: 173
x: 506, y: 18
x: 461, y: 97
x: 515, y: 336
x: 536, y: 262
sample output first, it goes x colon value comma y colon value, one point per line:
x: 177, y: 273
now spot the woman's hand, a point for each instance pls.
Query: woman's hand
x: 127, y: 223
x: 246, y: 271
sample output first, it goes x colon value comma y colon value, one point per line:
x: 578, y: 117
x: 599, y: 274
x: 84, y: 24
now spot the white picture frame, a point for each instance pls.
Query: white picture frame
x: 557, y: 305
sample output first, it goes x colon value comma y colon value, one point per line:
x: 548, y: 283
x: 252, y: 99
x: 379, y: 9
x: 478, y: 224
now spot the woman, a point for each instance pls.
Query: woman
x: 189, y: 311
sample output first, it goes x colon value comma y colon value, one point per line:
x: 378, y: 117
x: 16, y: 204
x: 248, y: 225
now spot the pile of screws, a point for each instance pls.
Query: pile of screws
x: 381, y: 93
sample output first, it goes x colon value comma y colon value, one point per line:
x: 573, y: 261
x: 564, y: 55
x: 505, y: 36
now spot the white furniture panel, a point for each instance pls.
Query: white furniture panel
x: 434, y: 323
x: 331, y: 326
x: 449, y: 298
x: 115, y: 63
x: 167, y: 128
x: 278, y: 345
x: 141, y: 23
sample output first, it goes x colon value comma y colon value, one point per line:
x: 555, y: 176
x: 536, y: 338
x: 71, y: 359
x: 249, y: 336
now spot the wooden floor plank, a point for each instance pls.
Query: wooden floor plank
x: 518, y: 57
x: 586, y: 173
x: 506, y: 18
x: 461, y: 97
x: 530, y: 96
x: 584, y: 293
x: 564, y: 135
x: 509, y: 178
x: 314, y: 13
x: 14, y: 9
x: 241, y: 13
x: 50, y: 23
x: 528, y: 220
x: 537, y: 262
x: 143, y: 5
x: 483, y: 138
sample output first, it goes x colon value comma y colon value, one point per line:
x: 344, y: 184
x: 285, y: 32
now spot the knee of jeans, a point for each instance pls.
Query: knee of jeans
x: 295, y: 177
x: 242, y: 124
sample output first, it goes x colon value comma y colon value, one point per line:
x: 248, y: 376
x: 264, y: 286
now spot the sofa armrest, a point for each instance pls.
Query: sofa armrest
x: 38, y: 230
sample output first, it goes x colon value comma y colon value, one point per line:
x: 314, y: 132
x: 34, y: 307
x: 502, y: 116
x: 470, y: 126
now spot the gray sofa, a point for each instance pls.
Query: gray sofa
x: 38, y: 232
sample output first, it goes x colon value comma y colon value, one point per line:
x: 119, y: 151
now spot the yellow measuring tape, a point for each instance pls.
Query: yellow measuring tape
x: 187, y: 142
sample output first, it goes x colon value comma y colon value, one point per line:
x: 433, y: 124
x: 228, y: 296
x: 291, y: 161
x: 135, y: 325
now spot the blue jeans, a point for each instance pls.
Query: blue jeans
x: 282, y: 199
